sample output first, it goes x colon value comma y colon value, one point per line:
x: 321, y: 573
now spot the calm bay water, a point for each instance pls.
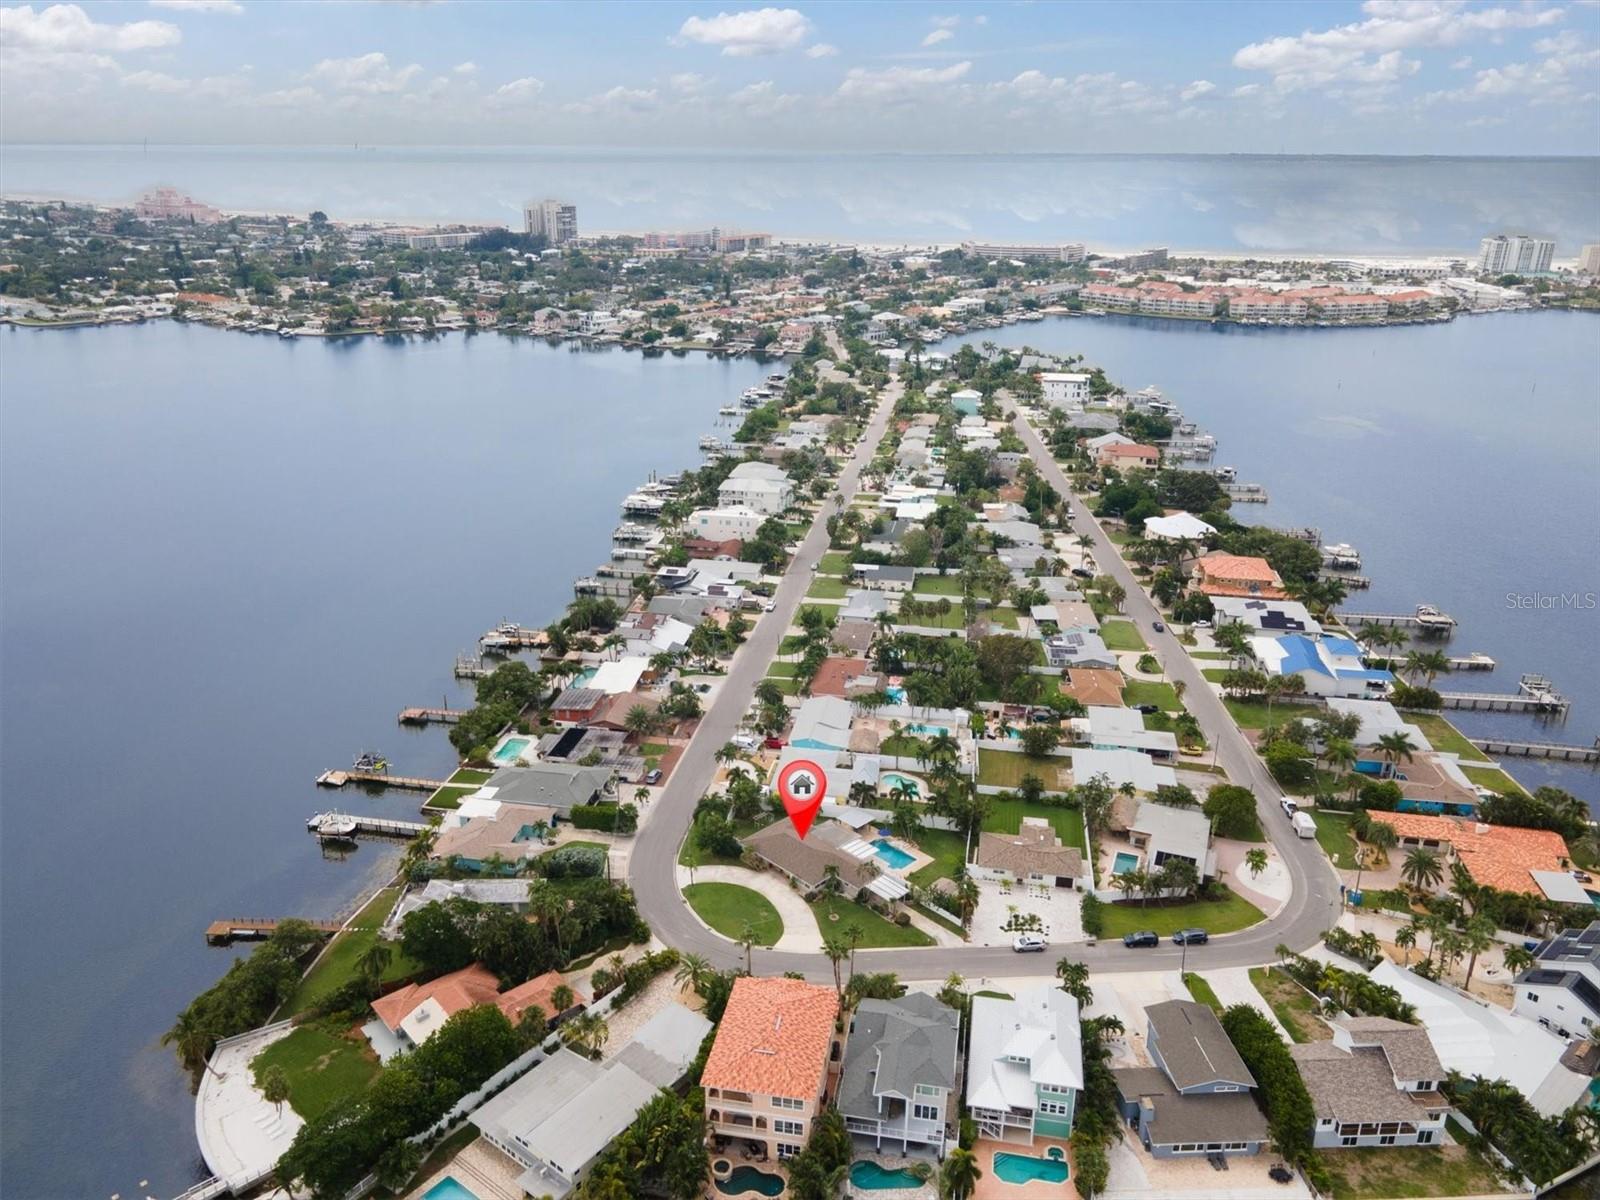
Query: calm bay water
x: 1460, y: 459
x: 1269, y: 204
x: 227, y: 562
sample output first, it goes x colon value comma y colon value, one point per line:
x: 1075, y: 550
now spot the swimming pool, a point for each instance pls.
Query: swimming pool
x: 748, y: 1179
x: 921, y: 730
x: 890, y: 779
x: 897, y: 695
x: 1020, y: 1168
x: 1124, y: 862
x: 871, y: 1177
x: 892, y: 854
x: 449, y: 1188
x: 584, y: 676
x: 512, y: 750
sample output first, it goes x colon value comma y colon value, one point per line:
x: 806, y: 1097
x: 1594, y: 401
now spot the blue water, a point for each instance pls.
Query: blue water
x: 584, y: 676
x: 1492, y: 419
x: 897, y: 695
x: 204, y: 543
x: 871, y: 1177
x: 1022, y: 1168
x: 921, y: 730
x: 449, y: 1188
x: 746, y: 1178
x: 1124, y: 862
x: 1269, y: 203
x: 892, y: 779
x: 897, y: 858
x: 511, y: 750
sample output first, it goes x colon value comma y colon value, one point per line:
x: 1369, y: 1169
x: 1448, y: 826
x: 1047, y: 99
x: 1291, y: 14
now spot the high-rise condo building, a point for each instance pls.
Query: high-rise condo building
x: 1515, y: 254
x: 558, y: 222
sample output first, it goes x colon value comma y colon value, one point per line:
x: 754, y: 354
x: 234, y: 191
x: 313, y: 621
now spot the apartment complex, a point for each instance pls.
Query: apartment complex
x: 555, y: 220
x: 1069, y: 252
x: 1515, y: 254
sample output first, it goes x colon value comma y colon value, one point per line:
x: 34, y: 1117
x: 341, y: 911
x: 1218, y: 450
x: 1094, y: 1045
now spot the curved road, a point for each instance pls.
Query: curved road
x: 653, y: 863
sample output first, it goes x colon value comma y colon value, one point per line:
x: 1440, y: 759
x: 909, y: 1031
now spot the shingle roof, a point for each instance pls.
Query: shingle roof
x: 1192, y: 1043
x: 1033, y: 848
x: 894, y: 1046
x: 774, y: 1038
x: 1408, y: 1048
x: 1225, y: 1117
x: 1356, y: 1085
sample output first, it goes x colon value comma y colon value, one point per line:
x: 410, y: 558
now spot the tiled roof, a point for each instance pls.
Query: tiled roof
x: 1031, y: 848
x: 471, y: 985
x: 774, y: 1039
x: 1498, y: 856
x: 1238, y: 566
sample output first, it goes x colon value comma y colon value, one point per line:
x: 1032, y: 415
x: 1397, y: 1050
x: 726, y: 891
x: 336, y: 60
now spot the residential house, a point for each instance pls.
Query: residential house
x: 1271, y: 618
x: 1117, y: 728
x: 1034, y: 854
x: 577, y: 704
x: 556, y: 1120
x: 548, y: 785
x: 761, y: 486
x: 830, y: 851
x: 513, y: 832
x: 1221, y: 574
x: 1505, y: 857
x: 1375, y: 1084
x: 1474, y: 1037
x: 822, y: 723
x: 1078, y: 647
x: 767, y: 1075
x: 1024, y: 1065
x: 888, y: 539
x: 967, y: 401
x: 725, y: 524
x: 1164, y: 833
x: 510, y: 895
x: 410, y: 1015
x: 901, y: 1068
x: 1122, y: 767
x: 619, y: 675
x: 614, y: 715
x: 1179, y: 526
x: 860, y: 604
x: 1128, y: 456
x: 1064, y: 389
x: 1197, y: 1098
x: 895, y: 580
x: 1330, y: 666
x: 1561, y: 990
x: 1093, y: 685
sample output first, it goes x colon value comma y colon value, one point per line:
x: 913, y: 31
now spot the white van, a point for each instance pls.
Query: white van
x: 1304, y: 826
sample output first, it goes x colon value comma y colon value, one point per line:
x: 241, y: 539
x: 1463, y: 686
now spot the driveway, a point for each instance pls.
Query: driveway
x: 800, y: 932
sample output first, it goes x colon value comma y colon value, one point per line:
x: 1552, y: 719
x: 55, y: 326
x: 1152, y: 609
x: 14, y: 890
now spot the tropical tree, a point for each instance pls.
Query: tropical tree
x: 1256, y: 860
x: 693, y: 970
x: 960, y: 1175
x: 1382, y: 837
x: 837, y: 951
x: 1421, y: 869
x: 1477, y: 935
x: 587, y: 1031
x: 562, y: 998
x: 397, y: 1165
x: 1406, y: 938
x: 274, y: 1084
x: 1518, y: 959
x: 1074, y: 978
x: 374, y: 961
x: 747, y: 939
x: 1396, y: 747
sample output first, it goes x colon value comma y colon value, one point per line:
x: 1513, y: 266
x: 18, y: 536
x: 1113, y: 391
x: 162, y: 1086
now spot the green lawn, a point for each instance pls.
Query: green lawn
x: 727, y: 906
x: 1122, y: 635
x: 948, y: 850
x: 830, y: 611
x: 1215, y: 674
x: 1295, y: 1008
x: 1443, y: 736
x: 875, y: 930
x: 1006, y: 618
x: 689, y: 854
x: 1003, y: 768
x: 788, y: 686
x: 654, y: 749
x: 1247, y: 714
x: 1201, y: 991
x: 1335, y: 838
x: 1143, y: 691
x: 470, y: 775
x: 938, y: 585
x: 901, y: 746
x: 322, y: 1068
x: 1214, y: 916
x: 1495, y: 779
x: 1005, y: 816
x: 783, y: 670
x: 826, y: 587
x: 337, y: 966
x: 793, y: 644
x: 954, y: 619
x: 1387, y: 1173
x: 450, y: 797
x: 834, y: 562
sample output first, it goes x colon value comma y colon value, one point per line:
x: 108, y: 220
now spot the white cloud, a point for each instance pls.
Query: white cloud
x: 1370, y: 51
x: 946, y: 22
x: 366, y: 74
x: 618, y: 100
x: 231, y: 7
x: 1570, y: 71
x: 763, y: 99
x: 1097, y: 94
x: 688, y: 83
x: 821, y: 50
x: 518, y: 90
x: 980, y: 19
x: 67, y: 29
x: 893, y: 83
x: 1246, y: 89
x: 754, y: 31
x: 1200, y: 87
x: 466, y: 68
x: 221, y: 87
x: 937, y: 36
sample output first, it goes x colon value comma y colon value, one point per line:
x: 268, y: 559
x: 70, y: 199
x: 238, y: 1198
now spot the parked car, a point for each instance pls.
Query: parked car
x: 773, y: 743
x: 1289, y: 807
x: 769, y: 606
x: 1145, y: 937
x: 1191, y: 937
x: 653, y: 778
x: 746, y: 741
x: 1201, y: 625
x: 1029, y: 943
x: 1147, y: 709
x: 1082, y: 574
x: 702, y: 688
x: 1158, y: 626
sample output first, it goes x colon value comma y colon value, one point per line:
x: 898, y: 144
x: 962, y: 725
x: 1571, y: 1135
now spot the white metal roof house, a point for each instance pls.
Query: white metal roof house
x: 1025, y: 1065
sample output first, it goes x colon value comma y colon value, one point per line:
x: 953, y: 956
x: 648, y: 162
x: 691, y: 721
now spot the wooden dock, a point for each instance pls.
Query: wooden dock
x: 1475, y: 661
x: 1426, y: 618
x: 338, y: 779
x: 430, y: 716
x: 1245, y: 493
x: 254, y: 929
x: 468, y: 667
x: 350, y: 825
x: 1534, y: 694
x: 1352, y: 583
x: 1561, y: 751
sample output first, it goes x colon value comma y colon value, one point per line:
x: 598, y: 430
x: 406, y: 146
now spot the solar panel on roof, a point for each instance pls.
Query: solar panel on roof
x: 1074, y: 639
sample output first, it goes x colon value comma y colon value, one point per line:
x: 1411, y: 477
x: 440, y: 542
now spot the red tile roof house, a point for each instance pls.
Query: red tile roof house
x: 1238, y: 575
x: 410, y: 1015
x: 1121, y: 454
x: 1504, y: 857
x: 767, y: 1075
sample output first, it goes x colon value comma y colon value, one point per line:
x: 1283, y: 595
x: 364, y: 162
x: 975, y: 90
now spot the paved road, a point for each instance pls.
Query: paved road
x: 652, y: 871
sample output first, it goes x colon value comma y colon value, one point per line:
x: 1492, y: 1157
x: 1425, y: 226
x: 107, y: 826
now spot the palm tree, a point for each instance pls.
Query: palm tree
x: 853, y: 933
x: 275, y: 1086
x: 1406, y: 938
x: 1074, y: 978
x: 192, y: 1040
x: 960, y: 1174
x: 1128, y: 882
x: 562, y: 998
x: 588, y: 1031
x: 747, y: 939
x: 398, y: 1164
x: 374, y: 961
x: 548, y: 907
x: 966, y: 898
x: 1518, y: 960
x: 1256, y: 860
x: 837, y: 950
x: 1396, y: 747
x: 1382, y: 837
x: 693, y: 971
x: 1340, y: 754
x: 1422, y: 870
x: 1477, y: 935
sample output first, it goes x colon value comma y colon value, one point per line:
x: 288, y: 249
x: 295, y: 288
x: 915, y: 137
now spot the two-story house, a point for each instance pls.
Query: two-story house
x: 1025, y: 1065
x: 900, y: 1070
x: 1375, y: 1084
x: 1561, y: 990
x: 767, y: 1074
x: 1197, y: 1098
x: 761, y: 486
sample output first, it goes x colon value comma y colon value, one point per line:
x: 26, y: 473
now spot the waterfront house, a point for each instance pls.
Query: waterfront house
x: 767, y: 1075
x: 1197, y: 1098
x: 577, y: 703
x: 724, y: 524
x: 410, y: 1015
x: 1330, y: 666
x: 1177, y: 527
x: 1505, y: 857
x: 1271, y: 618
x: 1221, y: 574
x: 1024, y: 1065
x: 760, y: 486
x: 614, y: 716
x: 557, y: 1119
x: 901, y: 1067
x: 618, y: 676
x: 512, y: 832
x: 1125, y: 457
x: 1561, y: 990
x: 508, y: 894
x: 1474, y: 1037
x: 1034, y: 854
x: 548, y: 785
x: 1064, y: 389
x: 1375, y: 1084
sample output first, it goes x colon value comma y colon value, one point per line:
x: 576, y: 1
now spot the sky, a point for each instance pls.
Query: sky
x: 1380, y: 77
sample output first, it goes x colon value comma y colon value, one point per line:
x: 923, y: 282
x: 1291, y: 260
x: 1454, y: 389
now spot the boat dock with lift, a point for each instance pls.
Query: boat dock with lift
x: 1534, y: 694
x: 254, y: 929
x: 430, y: 716
x: 334, y: 826
x: 1560, y: 751
x: 1426, y: 618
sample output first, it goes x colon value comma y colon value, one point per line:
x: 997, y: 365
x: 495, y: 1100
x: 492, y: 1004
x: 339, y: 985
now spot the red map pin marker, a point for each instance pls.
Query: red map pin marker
x: 801, y: 787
